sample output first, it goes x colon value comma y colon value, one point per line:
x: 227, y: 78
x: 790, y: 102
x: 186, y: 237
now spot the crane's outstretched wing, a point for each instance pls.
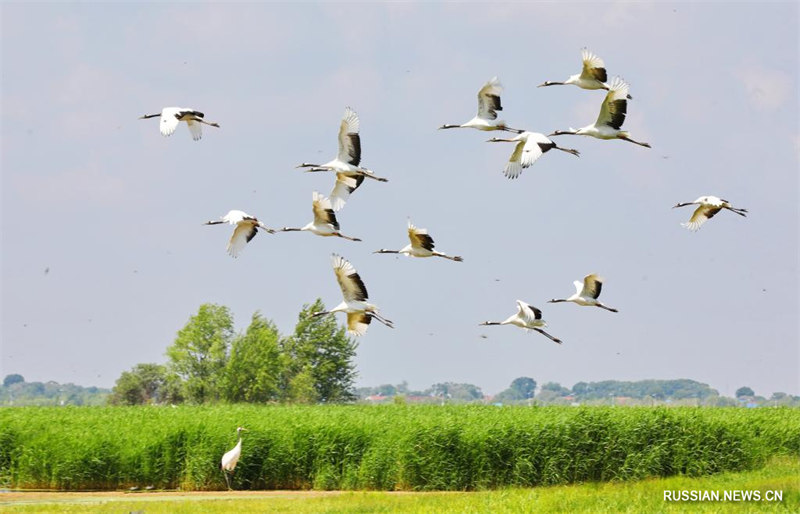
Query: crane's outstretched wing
x: 353, y: 288
x: 612, y: 113
x: 170, y: 117
x: 592, y: 285
x: 358, y: 322
x: 593, y: 67
x: 349, y: 140
x: 489, y: 100
x: 419, y: 237
x: 345, y: 185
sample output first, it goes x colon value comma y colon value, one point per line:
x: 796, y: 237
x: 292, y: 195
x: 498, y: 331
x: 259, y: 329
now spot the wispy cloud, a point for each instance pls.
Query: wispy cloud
x: 767, y: 89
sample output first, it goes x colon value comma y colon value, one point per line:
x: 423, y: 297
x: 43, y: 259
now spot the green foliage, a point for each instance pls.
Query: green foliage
x: 255, y: 366
x: 144, y: 384
x: 521, y: 389
x: 200, y: 352
x: 451, y: 391
x: 744, y: 391
x: 382, y: 447
x: 644, y: 389
x: 13, y: 379
x: 50, y: 393
x: 320, y: 353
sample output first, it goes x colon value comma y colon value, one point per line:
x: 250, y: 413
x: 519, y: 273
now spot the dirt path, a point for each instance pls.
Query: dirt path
x: 19, y: 497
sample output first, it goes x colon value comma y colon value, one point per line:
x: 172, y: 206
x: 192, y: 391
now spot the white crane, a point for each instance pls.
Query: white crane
x: 229, y: 460
x: 530, y: 146
x: 527, y: 317
x: 587, y: 292
x: 612, y: 115
x: 359, y: 311
x: 349, y: 173
x: 421, y: 245
x: 708, y: 207
x: 592, y: 76
x: 488, y: 105
x: 324, y: 223
x: 171, y: 116
x: 246, y: 229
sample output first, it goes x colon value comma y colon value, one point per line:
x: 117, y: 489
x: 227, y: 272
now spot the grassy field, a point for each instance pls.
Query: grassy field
x: 645, y: 496
x: 415, y: 448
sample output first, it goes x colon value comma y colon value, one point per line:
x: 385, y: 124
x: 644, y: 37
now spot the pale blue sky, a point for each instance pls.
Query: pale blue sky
x: 115, y: 211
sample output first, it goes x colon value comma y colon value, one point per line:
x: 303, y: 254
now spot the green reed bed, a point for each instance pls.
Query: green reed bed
x: 381, y: 447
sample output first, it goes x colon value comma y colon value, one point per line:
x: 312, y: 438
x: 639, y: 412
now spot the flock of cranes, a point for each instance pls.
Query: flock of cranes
x: 350, y: 174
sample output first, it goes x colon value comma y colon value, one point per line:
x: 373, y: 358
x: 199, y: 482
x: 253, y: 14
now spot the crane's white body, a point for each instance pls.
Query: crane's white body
x: 529, y: 147
x: 527, y: 317
x: 324, y: 223
x: 488, y: 105
x: 708, y: 207
x: 587, y: 292
x: 231, y: 458
x: 246, y: 228
x: 421, y: 245
x: 592, y: 76
x: 349, y: 173
x: 612, y: 116
x: 170, y: 117
x: 359, y: 311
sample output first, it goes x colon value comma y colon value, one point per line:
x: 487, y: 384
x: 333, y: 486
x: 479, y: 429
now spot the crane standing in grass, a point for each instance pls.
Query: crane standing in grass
x: 171, y: 116
x: 527, y: 317
x: 229, y: 460
x: 708, y: 207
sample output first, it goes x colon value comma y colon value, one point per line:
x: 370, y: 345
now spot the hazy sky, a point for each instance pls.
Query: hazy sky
x: 104, y: 255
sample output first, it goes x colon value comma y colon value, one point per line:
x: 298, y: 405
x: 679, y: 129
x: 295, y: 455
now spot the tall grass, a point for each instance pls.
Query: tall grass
x: 381, y: 447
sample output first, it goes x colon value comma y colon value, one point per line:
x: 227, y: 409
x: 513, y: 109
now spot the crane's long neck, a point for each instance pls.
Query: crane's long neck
x: 487, y: 323
x: 384, y: 250
x: 558, y: 300
x: 146, y: 116
x: 448, y: 126
x: 292, y: 229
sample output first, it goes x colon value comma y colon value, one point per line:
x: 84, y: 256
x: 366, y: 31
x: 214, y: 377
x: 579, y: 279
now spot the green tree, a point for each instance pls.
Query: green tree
x: 556, y: 388
x: 319, y: 352
x: 455, y: 392
x: 12, y: 379
x: 255, y: 366
x: 200, y: 352
x: 143, y: 384
x: 744, y: 391
x: 521, y: 388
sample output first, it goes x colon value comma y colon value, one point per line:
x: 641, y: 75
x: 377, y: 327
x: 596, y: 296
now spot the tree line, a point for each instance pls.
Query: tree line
x: 208, y: 363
